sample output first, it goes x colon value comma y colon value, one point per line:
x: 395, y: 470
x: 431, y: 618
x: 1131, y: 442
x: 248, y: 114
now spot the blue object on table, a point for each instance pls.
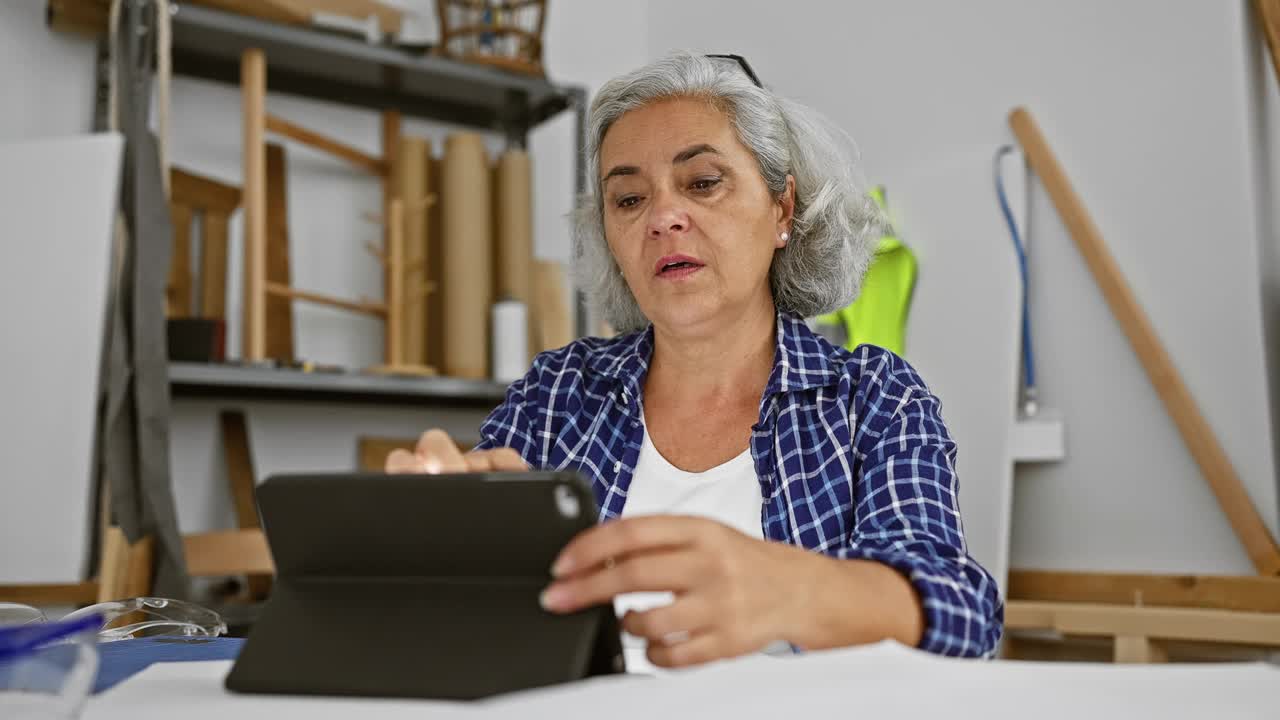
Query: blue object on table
x: 123, y: 659
x: 47, y: 668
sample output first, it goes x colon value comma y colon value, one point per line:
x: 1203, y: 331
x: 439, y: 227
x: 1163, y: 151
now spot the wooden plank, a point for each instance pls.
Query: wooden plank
x: 113, y: 564
x: 81, y: 593
x: 1221, y: 592
x: 412, y: 188
x: 1135, y: 649
x: 279, y: 309
x: 213, y: 264
x: 240, y: 474
x: 253, y: 88
x: 389, y: 18
x: 1222, y: 626
x: 83, y: 17
x: 290, y: 12
x: 228, y: 552
x: 202, y: 192
x: 241, y: 483
x: 360, y: 159
x: 365, y: 307
x: 126, y: 569
x: 140, y: 568
x: 178, y: 288
x: 1196, y: 431
x: 434, y: 340
x: 373, y: 451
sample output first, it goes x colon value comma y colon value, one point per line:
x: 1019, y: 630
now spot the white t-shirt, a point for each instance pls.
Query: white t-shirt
x: 728, y: 493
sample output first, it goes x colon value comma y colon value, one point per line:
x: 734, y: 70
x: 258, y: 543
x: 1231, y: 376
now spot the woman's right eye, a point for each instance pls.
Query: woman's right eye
x: 627, y: 201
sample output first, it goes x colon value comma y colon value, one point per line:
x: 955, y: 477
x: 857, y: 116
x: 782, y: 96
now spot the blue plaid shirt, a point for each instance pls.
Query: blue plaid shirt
x: 850, y: 450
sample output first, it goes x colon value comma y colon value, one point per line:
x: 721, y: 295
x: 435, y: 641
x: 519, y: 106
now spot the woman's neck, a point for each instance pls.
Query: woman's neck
x: 731, y: 360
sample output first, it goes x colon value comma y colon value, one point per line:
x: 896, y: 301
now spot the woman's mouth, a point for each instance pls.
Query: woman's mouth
x: 674, y: 267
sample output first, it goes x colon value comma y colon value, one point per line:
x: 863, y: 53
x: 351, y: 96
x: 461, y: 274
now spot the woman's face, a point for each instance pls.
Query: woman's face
x: 688, y: 216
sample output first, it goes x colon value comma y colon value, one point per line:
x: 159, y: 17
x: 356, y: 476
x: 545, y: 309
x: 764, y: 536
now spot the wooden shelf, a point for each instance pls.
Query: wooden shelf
x: 335, y: 68
x: 199, y: 380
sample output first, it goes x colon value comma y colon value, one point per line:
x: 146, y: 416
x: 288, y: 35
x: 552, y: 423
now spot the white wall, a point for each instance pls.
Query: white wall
x: 1152, y: 120
x: 1145, y: 104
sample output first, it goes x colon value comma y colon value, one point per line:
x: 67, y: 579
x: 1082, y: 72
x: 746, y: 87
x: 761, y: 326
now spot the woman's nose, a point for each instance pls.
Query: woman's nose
x: 666, y: 217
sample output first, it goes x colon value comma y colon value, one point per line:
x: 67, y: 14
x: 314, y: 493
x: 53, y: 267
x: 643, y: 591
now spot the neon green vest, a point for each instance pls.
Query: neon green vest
x: 879, y: 314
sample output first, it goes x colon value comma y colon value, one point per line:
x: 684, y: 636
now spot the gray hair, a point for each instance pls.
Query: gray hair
x: 836, y: 224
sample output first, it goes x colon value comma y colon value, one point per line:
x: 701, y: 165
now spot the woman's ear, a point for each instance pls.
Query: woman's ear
x: 786, y: 212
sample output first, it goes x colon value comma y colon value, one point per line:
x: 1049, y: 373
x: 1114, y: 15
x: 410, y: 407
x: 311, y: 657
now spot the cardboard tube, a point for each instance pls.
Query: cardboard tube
x: 513, y: 234
x: 468, y: 278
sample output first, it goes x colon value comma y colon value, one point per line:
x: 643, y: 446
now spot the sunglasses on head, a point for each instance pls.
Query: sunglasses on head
x: 742, y: 62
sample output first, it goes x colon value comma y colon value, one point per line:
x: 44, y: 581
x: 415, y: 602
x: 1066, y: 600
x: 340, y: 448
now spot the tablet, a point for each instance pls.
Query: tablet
x: 421, y: 586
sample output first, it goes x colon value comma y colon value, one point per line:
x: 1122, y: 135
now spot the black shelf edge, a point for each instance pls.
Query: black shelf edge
x: 326, y: 66
x: 200, y: 380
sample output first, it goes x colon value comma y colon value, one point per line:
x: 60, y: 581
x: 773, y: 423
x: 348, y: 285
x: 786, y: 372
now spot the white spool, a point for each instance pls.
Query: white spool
x: 510, y: 340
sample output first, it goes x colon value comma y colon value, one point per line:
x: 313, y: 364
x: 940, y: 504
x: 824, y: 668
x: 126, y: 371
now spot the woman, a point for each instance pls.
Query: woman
x: 782, y: 489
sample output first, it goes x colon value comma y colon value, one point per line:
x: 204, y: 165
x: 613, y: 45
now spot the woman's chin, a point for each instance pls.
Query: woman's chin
x: 685, y: 313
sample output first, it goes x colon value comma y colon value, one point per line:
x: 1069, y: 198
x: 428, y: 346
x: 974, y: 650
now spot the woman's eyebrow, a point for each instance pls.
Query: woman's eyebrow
x: 684, y: 155
x: 693, y: 151
x: 618, y: 171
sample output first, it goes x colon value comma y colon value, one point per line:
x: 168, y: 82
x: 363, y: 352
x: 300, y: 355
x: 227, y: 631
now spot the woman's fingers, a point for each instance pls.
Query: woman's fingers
x: 436, y: 453
x: 618, y: 538
x: 506, y: 459
x: 690, y: 614
x: 439, y: 454
x: 695, y: 650
x: 479, y: 461
x: 666, y: 570
x: 404, y: 462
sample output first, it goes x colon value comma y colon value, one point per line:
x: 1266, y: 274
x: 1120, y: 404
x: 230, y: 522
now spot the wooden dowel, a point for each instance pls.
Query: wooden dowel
x: 390, y: 136
x: 1195, y: 430
x: 364, y: 161
x: 1268, y: 12
x: 359, y: 306
x: 253, y: 89
x: 395, y: 286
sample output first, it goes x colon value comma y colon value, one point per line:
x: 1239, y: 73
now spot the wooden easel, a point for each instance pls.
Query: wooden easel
x: 1058, y: 601
x: 403, y: 282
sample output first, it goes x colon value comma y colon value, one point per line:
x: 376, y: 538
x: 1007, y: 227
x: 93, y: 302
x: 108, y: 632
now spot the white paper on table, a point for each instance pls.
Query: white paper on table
x: 194, y: 691
x: 884, y: 681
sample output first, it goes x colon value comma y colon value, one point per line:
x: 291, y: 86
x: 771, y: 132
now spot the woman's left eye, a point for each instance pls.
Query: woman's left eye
x: 705, y: 183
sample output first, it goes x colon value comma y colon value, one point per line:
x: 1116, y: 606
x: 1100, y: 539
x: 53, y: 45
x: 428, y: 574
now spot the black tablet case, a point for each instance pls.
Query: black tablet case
x: 421, y: 586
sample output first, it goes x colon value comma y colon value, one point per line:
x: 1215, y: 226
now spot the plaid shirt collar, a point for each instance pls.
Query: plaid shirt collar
x: 799, y: 361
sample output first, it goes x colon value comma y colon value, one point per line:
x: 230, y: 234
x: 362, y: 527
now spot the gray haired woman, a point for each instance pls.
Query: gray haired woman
x: 757, y: 486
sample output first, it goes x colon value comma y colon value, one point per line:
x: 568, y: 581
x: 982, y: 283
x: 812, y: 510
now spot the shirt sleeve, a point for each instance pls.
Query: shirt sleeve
x: 907, y: 517
x: 512, y: 424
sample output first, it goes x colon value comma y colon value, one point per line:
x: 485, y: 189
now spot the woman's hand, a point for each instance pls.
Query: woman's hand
x: 437, y: 453
x: 734, y: 594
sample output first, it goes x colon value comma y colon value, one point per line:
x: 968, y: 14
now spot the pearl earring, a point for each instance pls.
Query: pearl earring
x: 784, y: 237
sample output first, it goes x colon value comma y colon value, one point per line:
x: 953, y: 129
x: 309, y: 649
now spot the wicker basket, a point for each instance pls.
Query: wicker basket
x: 503, y: 33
